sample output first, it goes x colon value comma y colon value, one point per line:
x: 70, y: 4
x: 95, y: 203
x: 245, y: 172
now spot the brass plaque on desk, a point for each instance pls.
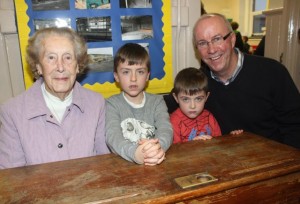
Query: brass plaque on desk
x: 195, y: 180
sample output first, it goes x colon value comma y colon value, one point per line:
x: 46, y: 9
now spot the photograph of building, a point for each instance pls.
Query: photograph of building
x: 136, y: 27
x: 94, y: 29
x: 43, y: 5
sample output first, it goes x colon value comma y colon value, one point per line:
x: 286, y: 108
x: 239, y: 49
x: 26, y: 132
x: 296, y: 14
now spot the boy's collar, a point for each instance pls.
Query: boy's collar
x: 133, y: 104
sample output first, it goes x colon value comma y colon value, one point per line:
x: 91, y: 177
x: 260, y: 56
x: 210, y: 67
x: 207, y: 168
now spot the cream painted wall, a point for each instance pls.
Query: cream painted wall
x: 237, y: 10
x: 273, y: 4
x: 229, y: 8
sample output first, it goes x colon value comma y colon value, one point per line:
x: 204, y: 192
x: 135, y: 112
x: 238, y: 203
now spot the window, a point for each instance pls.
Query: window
x: 259, y: 5
x: 258, y: 19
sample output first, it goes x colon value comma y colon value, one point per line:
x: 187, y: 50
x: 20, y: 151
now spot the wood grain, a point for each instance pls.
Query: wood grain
x: 249, y: 169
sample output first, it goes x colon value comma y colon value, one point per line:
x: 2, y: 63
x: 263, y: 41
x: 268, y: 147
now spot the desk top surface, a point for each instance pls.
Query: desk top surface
x: 233, y: 160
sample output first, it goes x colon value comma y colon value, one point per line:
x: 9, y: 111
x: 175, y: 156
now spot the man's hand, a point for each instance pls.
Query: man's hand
x: 236, y: 132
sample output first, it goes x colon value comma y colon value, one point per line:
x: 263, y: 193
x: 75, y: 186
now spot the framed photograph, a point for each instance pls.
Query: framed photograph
x: 135, y: 3
x: 136, y: 27
x: 106, y: 25
x: 45, y: 23
x: 95, y: 29
x: 44, y: 5
x: 92, y: 4
x: 101, y: 60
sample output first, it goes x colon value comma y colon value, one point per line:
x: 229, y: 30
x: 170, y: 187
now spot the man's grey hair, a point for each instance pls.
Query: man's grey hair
x: 209, y: 15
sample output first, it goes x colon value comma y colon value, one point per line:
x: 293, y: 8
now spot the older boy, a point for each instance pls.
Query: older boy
x: 138, y: 127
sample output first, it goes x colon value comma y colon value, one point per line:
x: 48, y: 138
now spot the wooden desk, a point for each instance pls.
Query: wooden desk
x: 249, y: 169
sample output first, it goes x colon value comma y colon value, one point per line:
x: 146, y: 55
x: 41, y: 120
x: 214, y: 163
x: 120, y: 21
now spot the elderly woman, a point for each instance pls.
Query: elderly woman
x: 56, y: 119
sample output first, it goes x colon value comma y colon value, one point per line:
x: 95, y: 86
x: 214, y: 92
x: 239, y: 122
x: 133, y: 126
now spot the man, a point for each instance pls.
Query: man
x: 238, y: 36
x: 248, y: 92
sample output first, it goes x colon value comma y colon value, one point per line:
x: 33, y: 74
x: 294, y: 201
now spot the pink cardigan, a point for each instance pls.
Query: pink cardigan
x: 29, y: 134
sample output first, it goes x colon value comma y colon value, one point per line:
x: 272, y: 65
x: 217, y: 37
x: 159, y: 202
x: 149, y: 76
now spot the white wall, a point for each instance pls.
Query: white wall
x: 182, y: 35
x: 11, y: 75
x: 291, y: 51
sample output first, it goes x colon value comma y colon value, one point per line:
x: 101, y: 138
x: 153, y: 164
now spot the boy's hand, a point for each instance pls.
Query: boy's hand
x: 152, y: 152
x: 139, y: 155
x: 202, y: 137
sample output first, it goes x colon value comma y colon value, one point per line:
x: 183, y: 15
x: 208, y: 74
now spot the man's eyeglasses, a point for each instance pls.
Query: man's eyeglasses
x: 218, y: 40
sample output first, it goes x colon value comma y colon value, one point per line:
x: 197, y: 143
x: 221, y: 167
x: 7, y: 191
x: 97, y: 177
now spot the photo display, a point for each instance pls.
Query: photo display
x: 106, y: 25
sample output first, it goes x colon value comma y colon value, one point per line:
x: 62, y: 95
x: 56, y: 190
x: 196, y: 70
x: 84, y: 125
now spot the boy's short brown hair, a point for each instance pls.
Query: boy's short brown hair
x: 190, y: 81
x: 134, y: 54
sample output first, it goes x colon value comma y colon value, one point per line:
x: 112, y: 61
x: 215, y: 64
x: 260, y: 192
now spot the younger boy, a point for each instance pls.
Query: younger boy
x: 191, y: 121
x: 138, y: 126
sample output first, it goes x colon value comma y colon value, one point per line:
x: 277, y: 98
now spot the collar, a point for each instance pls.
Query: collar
x: 133, y: 104
x: 35, y: 105
x: 236, y: 71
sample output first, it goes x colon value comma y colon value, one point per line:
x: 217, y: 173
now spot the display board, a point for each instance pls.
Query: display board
x: 106, y: 25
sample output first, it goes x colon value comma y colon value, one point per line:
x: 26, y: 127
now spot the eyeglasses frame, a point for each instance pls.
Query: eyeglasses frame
x: 207, y: 42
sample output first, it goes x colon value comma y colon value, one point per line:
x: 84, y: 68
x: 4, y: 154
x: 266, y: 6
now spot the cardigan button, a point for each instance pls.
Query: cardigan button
x: 51, y: 116
x: 60, y: 145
